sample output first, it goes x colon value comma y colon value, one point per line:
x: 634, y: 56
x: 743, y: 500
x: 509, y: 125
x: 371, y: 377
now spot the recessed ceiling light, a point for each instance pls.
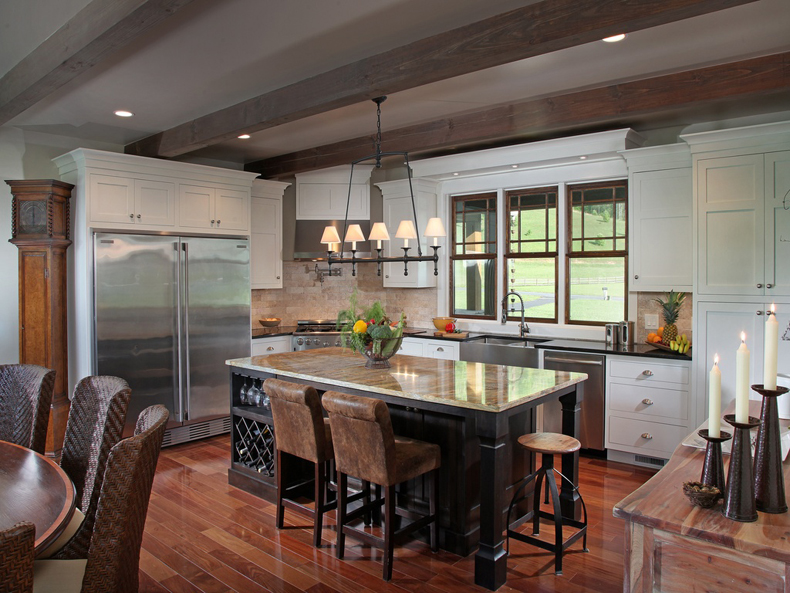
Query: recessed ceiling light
x: 244, y: 137
x: 582, y: 158
x: 514, y: 166
x: 614, y: 38
x: 122, y: 113
x: 455, y: 174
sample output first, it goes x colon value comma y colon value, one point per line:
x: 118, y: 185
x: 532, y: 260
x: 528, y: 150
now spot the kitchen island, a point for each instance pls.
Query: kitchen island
x: 474, y: 411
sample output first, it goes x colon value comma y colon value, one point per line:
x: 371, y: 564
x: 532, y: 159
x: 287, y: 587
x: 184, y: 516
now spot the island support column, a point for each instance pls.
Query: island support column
x: 570, y: 504
x: 491, y: 558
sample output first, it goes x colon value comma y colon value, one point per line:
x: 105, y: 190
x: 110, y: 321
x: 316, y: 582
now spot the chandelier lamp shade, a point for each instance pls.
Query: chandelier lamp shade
x: 407, y: 229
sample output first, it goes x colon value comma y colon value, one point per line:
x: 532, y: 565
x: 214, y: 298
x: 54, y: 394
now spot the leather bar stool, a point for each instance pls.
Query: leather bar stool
x: 548, y: 444
x: 301, y: 430
x: 366, y: 448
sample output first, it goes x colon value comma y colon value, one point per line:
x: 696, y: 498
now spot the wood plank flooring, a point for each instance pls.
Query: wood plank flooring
x: 203, y: 535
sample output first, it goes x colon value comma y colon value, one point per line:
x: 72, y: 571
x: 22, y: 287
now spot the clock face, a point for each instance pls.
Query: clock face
x: 33, y: 218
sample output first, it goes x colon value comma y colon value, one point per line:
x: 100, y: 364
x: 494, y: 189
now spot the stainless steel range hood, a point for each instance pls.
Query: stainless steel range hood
x: 307, y: 239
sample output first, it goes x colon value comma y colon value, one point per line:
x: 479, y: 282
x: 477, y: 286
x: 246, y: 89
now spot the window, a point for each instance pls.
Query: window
x: 563, y: 249
x: 531, y: 251
x: 473, y: 275
x: 597, y: 260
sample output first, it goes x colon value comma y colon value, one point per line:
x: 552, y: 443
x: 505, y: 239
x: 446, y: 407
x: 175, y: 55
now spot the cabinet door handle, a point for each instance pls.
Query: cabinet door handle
x: 138, y: 216
x: 647, y: 436
x: 759, y: 286
x: 759, y: 312
x: 769, y: 285
x: 131, y: 215
x: 278, y: 277
x: 636, y: 276
x: 647, y: 402
x: 218, y: 221
x: 647, y: 373
x: 270, y: 348
x: 440, y: 349
x: 212, y: 221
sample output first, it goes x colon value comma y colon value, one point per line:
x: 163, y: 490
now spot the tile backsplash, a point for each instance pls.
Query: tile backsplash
x: 304, y: 297
x: 647, y: 305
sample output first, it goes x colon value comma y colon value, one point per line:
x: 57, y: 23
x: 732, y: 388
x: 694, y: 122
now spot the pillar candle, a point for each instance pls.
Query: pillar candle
x: 771, y: 350
x: 742, y: 382
x: 714, y: 397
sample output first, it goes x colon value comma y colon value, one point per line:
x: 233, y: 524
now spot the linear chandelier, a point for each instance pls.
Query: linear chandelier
x: 406, y: 228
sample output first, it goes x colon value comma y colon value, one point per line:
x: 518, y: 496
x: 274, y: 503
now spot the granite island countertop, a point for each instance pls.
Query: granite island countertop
x: 472, y: 385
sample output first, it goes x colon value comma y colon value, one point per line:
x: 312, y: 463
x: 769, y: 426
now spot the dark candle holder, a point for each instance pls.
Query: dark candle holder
x: 769, y: 480
x: 739, y: 503
x: 713, y: 467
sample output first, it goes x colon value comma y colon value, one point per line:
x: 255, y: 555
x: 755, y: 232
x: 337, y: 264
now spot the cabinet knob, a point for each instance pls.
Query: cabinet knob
x: 759, y: 286
x: 278, y: 277
x: 138, y: 216
x: 647, y: 436
x: 218, y: 221
x: 212, y: 221
x: 270, y: 348
x: 647, y: 402
x: 131, y: 215
x: 769, y: 285
x: 647, y: 373
x: 386, y: 275
x: 636, y: 276
x: 759, y: 312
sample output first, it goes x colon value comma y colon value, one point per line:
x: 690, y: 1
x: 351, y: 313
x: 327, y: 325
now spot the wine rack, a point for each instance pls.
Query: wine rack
x: 254, y: 445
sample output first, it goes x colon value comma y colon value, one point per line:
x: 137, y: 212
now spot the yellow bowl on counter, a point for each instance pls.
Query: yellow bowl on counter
x: 441, y: 322
x: 270, y: 321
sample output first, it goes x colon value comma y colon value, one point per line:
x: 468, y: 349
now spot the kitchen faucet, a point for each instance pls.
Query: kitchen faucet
x: 523, y: 327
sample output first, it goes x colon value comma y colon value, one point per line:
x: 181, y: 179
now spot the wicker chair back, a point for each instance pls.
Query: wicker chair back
x: 16, y: 558
x: 25, y: 399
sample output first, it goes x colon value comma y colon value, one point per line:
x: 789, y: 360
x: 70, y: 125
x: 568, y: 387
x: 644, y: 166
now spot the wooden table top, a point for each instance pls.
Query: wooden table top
x: 471, y: 385
x: 661, y: 504
x: 34, y: 488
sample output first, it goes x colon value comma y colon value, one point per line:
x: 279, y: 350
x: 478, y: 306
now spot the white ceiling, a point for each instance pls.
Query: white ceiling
x: 216, y: 53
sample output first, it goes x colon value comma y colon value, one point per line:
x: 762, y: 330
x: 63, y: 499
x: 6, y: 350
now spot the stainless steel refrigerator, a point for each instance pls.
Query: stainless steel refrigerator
x: 168, y: 312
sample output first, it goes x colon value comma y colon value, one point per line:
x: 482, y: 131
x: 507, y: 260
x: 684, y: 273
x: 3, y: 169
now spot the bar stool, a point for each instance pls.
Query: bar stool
x: 548, y: 444
x: 366, y: 448
x: 301, y: 430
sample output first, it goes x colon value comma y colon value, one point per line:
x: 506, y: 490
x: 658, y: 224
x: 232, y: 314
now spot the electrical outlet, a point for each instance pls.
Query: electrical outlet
x: 651, y: 321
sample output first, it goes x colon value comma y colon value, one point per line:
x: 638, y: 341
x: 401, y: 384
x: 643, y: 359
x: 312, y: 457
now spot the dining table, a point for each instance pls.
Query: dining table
x: 34, y: 488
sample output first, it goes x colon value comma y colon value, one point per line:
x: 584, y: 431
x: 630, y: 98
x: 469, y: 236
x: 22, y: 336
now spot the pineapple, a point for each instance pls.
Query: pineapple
x: 671, y: 310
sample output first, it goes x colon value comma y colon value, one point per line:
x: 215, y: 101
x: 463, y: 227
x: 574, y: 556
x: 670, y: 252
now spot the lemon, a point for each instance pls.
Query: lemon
x: 360, y: 327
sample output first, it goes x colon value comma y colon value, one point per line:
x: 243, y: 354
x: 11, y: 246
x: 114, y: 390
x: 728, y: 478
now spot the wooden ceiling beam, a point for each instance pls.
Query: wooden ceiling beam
x: 535, y: 29
x: 92, y: 35
x: 736, y: 81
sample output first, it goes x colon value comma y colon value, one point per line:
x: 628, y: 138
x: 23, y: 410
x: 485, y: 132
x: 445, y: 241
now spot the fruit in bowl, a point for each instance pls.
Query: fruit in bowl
x: 441, y: 323
x: 270, y: 321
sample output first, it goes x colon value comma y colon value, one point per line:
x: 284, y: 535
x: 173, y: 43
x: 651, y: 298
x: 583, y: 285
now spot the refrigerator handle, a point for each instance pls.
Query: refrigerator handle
x: 177, y: 404
x: 187, y: 370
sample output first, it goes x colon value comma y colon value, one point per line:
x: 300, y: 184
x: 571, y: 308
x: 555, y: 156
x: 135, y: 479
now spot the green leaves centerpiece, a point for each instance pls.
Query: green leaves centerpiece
x: 370, y: 332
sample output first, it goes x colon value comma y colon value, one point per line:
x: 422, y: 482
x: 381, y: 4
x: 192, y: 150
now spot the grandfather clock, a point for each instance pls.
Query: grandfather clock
x: 40, y: 229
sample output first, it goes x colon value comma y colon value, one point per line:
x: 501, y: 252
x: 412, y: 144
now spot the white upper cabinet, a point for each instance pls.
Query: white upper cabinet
x: 743, y: 227
x: 214, y: 208
x: 125, y: 201
x: 661, y: 230
x: 266, y: 238
x: 398, y: 206
x: 323, y: 195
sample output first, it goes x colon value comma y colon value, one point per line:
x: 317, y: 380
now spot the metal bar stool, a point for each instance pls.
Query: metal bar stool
x: 366, y: 448
x: 548, y: 444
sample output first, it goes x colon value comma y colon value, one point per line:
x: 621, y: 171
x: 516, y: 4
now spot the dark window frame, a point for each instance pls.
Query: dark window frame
x: 536, y: 255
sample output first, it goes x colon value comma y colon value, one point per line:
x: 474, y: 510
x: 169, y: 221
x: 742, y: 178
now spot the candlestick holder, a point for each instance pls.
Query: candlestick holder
x: 713, y: 467
x: 739, y: 503
x: 769, y: 480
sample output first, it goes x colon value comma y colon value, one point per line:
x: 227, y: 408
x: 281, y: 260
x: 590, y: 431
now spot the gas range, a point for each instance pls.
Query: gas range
x: 315, y: 333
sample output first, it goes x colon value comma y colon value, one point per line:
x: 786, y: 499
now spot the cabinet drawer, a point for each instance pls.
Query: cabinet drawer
x: 412, y: 348
x: 445, y: 351
x: 264, y: 346
x: 647, y: 371
x: 647, y: 400
x: 642, y: 435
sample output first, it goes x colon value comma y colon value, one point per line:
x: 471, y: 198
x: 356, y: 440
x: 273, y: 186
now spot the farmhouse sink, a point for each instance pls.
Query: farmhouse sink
x: 519, y: 352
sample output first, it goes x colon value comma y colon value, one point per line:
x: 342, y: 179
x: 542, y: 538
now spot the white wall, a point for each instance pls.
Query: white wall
x: 23, y: 155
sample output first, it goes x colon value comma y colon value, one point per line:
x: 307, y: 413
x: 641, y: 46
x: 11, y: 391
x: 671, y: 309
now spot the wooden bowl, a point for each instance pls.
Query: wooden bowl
x: 441, y: 322
x: 701, y: 495
x: 270, y: 321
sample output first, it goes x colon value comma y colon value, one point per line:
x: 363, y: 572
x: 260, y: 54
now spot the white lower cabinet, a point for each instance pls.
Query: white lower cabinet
x: 648, y: 405
x: 429, y: 348
x: 273, y: 345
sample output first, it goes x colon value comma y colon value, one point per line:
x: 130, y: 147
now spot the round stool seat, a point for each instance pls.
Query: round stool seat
x: 550, y: 443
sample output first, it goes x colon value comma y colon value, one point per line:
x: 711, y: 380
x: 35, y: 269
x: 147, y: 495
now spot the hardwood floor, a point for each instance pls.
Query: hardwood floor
x: 204, y: 535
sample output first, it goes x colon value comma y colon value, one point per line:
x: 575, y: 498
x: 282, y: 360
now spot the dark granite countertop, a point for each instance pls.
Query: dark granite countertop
x: 595, y: 347
x: 270, y: 332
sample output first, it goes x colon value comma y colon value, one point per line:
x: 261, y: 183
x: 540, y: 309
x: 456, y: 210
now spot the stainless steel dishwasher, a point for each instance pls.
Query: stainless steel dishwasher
x: 593, y: 408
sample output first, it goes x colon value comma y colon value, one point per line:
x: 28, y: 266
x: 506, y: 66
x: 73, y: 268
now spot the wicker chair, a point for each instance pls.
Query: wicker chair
x: 25, y: 399
x: 113, y: 559
x: 16, y: 558
x: 96, y: 420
